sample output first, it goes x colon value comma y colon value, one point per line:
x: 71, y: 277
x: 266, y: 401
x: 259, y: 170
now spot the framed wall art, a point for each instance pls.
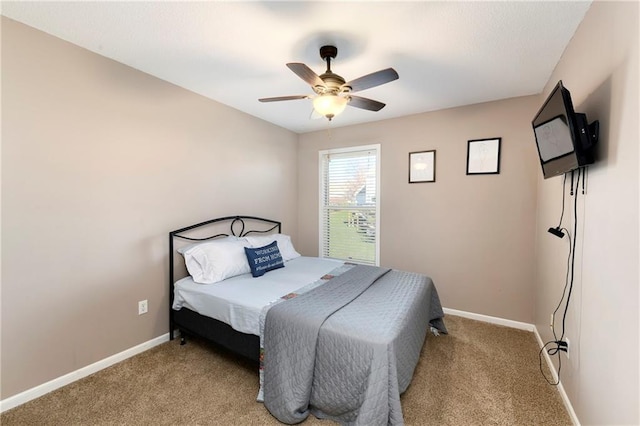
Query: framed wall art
x: 422, y: 166
x: 483, y: 156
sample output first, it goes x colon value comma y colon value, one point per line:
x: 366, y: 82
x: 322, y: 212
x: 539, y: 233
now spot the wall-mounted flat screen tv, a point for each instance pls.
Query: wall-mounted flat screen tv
x: 564, y: 138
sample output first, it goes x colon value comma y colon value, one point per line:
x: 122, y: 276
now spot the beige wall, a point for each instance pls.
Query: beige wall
x: 601, y: 377
x: 474, y: 235
x: 99, y: 163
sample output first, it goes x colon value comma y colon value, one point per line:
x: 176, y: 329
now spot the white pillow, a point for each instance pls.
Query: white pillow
x: 183, y: 249
x: 212, y: 262
x: 284, y: 244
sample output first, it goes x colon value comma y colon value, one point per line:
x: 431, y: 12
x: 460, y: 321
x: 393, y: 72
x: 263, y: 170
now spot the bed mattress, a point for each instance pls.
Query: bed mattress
x: 238, y: 301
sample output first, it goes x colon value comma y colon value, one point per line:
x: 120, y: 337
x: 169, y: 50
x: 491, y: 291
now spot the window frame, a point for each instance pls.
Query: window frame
x: 322, y: 207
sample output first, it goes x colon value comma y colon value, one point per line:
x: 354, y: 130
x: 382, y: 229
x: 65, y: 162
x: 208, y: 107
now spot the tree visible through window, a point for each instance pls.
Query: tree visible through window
x: 349, y: 204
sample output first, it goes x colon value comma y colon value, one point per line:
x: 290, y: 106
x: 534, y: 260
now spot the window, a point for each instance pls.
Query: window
x: 349, y: 204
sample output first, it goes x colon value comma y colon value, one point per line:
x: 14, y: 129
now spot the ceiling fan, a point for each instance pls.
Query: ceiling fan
x: 332, y: 92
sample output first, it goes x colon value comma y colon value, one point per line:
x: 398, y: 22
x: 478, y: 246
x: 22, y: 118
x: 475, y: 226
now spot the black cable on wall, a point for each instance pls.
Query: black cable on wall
x: 558, y: 345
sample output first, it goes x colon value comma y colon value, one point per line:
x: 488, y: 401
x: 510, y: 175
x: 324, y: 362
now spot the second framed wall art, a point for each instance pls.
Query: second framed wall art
x: 483, y: 156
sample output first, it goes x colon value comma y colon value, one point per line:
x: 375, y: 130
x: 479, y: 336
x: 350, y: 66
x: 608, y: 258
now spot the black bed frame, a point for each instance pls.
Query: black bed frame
x: 188, y: 322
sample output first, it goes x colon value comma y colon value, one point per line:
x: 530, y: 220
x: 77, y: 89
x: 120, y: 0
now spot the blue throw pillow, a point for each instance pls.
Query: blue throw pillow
x: 264, y: 259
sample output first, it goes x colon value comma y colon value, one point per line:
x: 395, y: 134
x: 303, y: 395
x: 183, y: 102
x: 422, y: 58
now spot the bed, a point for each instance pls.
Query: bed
x: 332, y: 338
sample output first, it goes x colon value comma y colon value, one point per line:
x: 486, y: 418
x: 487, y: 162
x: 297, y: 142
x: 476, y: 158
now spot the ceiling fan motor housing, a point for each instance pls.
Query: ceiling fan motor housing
x: 332, y: 81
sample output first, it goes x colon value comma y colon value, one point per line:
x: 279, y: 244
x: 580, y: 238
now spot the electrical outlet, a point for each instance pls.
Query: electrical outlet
x: 568, y: 346
x: 143, y: 307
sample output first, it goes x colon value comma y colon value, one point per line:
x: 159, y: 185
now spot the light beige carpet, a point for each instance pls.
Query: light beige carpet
x: 479, y: 374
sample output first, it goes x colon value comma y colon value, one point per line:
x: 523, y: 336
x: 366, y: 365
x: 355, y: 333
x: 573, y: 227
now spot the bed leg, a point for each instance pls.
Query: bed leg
x: 183, y: 339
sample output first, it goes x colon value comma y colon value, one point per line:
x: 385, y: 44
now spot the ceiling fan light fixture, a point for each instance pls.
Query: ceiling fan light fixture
x: 329, y: 105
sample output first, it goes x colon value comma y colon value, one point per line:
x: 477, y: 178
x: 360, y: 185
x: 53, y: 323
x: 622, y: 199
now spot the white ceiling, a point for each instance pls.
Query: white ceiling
x: 446, y: 53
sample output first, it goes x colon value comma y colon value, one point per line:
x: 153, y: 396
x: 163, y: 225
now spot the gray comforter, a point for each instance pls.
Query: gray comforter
x: 347, y: 349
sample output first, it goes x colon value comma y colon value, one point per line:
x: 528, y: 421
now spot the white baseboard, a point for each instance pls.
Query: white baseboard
x: 527, y: 327
x: 493, y: 320
x: 563, y: 394
x: 38, y: 391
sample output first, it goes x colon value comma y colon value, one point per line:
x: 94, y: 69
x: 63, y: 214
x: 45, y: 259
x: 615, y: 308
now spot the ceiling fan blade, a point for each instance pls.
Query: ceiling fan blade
x: 284, y: 98
x: 365, y: 103
x: 372, y: 80
x: 306, y: 73
x: 315, y: 115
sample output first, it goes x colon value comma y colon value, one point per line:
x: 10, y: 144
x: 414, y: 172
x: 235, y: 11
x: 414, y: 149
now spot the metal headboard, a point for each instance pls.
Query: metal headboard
x: 237, y: 226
